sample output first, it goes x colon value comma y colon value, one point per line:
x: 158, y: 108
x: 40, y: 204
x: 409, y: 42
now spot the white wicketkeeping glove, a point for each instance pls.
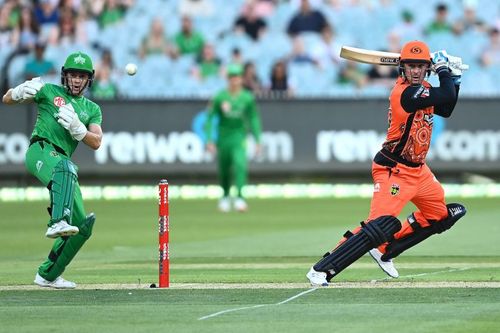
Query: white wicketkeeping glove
x: 68, y: 119
x: 27, y: 90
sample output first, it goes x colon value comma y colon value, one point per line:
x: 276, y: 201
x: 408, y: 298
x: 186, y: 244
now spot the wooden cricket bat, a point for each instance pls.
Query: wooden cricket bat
x: 379, y: 57
x: 369, y: 56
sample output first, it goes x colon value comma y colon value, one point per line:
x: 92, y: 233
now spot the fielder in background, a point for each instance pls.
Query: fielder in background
x: 399, y: 171
x: 65, y: 118
x: 236, y: 111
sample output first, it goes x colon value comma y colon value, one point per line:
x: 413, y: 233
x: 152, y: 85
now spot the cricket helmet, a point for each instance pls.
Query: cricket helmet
x: 415, y: 51
x: 77, y: 62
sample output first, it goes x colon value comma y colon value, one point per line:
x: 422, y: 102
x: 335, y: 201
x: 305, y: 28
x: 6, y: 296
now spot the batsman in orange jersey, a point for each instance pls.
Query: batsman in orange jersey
x: 400, y: 174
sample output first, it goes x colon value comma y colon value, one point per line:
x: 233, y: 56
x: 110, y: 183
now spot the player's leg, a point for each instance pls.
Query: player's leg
x: 240, y: 169
x: 372, y: 234
x: 58, y: 174
x: 433, y: 216
x: 224, y: 163
x: 62, y: 192
x: 65, y: 248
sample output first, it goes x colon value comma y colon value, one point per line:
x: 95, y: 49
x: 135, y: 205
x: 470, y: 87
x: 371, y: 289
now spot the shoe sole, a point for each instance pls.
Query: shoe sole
x: 62, y: 234
x: 382, y: 268
x: 51, y: 286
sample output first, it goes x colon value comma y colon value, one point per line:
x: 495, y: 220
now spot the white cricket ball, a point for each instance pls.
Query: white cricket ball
x: 131, y: 69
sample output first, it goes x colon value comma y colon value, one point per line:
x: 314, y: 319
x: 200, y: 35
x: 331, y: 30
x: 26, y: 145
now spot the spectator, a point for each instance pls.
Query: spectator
x: 469, y: 22
x: 196, y: 8
x: 440, y: 23
x: 110, y: 11
x: 6, y: 30
x: 352, y: 74
x: 491, y: 53
x: 108, y: 62
x: 87, y: 28
x: 279, y: 79
x: 307, y: 19
x: 407, y: 29
x: 187, y: 40
x: 299, y: 54
x: 250, y: 23
x: 208, y: 64
x: 156, y: 42
x: 38, y: 65
x: 327, y: 52
x: 27, y: 30
x: 103, y: 87
x: 64, y: 34
x: 250, y: 79
x: 263, y: 8
x: 47, y: 12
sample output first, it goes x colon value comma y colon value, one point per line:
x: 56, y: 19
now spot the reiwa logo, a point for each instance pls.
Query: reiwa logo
x: 79, y: 60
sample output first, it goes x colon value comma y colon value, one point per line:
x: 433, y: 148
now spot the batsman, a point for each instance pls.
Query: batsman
x: 400, y: 174
x: 65, y: 118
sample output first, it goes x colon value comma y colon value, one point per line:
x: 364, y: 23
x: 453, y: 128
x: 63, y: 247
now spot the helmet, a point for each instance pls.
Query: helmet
x: 78, y: 62
x: 415, y: 51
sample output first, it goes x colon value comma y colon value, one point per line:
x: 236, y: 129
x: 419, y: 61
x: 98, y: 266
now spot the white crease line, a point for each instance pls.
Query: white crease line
x: 425, y: 274
x: 256, y: 306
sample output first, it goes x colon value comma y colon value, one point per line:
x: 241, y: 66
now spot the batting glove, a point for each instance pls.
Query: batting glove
x: 27, y: 90
x: 68, y: 119
x: 440, y: 61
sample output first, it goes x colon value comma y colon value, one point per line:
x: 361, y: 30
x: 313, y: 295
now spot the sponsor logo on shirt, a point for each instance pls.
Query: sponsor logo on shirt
x: 376, y: 188
x: 38, y: 165
x: 59, y: 101
x: 421, y: 92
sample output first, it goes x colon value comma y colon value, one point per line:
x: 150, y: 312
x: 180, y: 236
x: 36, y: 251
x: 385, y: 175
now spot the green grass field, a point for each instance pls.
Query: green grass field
x: 246, y: 272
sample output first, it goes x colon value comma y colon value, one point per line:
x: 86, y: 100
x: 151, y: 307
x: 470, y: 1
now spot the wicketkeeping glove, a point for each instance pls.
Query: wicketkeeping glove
x: 440, y: 61
x: 68, y: 119
x: 27, y: 90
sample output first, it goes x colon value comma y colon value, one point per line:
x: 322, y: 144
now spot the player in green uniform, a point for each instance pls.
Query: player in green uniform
x: 65, y: 117
x: 236, y: 111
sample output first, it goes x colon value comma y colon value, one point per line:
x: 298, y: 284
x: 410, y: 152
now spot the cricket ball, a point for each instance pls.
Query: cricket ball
x: 131, y: 69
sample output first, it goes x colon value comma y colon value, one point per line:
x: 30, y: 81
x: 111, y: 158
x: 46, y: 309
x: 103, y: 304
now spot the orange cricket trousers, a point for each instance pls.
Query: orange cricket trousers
x: 395, y: 187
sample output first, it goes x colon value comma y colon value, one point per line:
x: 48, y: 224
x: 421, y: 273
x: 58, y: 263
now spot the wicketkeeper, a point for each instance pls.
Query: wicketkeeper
x: 399, y: 171
x: 65, y: 117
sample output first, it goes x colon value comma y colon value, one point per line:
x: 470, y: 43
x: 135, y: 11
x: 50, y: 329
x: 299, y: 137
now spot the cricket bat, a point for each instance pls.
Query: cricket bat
x: 379, y: 57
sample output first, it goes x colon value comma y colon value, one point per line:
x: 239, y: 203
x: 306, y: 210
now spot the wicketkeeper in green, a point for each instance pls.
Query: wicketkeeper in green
x: 65, y: 117
x: 236, y: 111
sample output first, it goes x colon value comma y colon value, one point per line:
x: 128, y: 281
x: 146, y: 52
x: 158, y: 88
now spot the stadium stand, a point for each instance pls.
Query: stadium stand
x: 121, y: 26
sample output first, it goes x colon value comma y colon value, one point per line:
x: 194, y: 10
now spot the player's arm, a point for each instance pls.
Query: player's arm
x: 443, y: 98
x: 25, y: 92
x: 255, y: 123
x: 93, y: 138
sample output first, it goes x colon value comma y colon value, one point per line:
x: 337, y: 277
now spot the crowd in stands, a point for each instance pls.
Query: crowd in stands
x: 288, y: 48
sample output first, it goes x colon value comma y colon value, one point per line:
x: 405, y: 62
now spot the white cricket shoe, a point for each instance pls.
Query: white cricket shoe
x: 224, y: 205
x: 61, y: 228
x: 58, y: 283
x: 317, y: 278
x: 387, y: 266
x: 240, y: 205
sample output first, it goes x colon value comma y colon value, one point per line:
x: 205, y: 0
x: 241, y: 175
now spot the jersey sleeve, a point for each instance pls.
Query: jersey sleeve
x: 254, y: 119
x: 41, y: 95
x: 96, y: 115
x: 443, y: 98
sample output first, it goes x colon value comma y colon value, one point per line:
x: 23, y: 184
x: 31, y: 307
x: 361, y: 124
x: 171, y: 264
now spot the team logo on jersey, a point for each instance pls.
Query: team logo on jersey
x: 38, y: 165
x: 54, y: 153
x: 84, y: 116
x: 394, y: 189
x: 59, y: 101
x: 226, y: 107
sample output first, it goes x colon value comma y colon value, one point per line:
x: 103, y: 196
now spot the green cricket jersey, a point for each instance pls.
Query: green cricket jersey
x: 49, y: 99
x: 236, y: 115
